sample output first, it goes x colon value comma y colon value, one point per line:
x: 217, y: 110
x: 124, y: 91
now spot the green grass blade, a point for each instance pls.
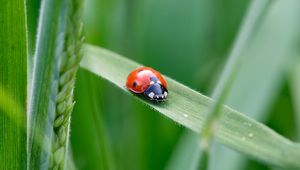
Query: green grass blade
x: 13, y: 132
x: 225, y: 83
x: 49, y: 45
x: 269, y: 52
x: 32, y: 19
x: 294, y: 85
x: 188, y: 108
x: 92, y: 150
x: 184, y: 156
x: 13, y: 56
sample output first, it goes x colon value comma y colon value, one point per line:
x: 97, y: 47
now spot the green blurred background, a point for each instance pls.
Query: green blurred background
x: 188, y: 41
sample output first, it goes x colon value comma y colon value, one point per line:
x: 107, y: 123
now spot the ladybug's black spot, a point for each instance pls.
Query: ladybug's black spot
x: 134, y: 84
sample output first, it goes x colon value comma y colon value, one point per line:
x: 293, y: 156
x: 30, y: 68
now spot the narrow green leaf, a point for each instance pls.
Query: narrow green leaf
x: 32, y: 12
x: 13, y: 56
x: 188, y: 108
x: 92, y: 151
x: 49, y: 45
x: 295, y: 88
x: 185, y: 155
x: 228, y: 76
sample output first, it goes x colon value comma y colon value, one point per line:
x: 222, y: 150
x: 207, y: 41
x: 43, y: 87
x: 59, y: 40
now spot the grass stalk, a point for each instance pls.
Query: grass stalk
x: 69, y: 64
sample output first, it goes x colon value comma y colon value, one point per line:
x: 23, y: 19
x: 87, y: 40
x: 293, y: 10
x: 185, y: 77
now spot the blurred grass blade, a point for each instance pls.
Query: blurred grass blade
x: 188, y: 108
x: 294, y: 85
x: 93, y: 150
x: 13, y: 56
x: 50, y: 39
x: 184, y: 156
x: 224, y: 85
x: 269, y: 52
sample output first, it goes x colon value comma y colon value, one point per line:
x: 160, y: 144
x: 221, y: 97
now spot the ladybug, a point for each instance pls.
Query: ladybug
x: 148, y: 82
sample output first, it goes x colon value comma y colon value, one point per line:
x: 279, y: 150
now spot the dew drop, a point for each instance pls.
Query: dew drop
x: 250, y: 135
x: 185, y: 115
x: 179, y: 121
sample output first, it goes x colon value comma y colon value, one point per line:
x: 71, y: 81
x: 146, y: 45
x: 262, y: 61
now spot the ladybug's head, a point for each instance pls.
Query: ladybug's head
x: 156, y: 92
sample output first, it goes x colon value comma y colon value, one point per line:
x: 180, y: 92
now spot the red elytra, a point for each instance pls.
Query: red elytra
x: 139, y: 79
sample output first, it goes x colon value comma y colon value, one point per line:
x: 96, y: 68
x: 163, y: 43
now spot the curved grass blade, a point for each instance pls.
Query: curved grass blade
x: 13, y: 56
x: 188, y: 108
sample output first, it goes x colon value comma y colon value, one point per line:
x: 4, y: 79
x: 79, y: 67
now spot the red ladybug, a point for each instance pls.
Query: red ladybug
x: 149, y: 82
